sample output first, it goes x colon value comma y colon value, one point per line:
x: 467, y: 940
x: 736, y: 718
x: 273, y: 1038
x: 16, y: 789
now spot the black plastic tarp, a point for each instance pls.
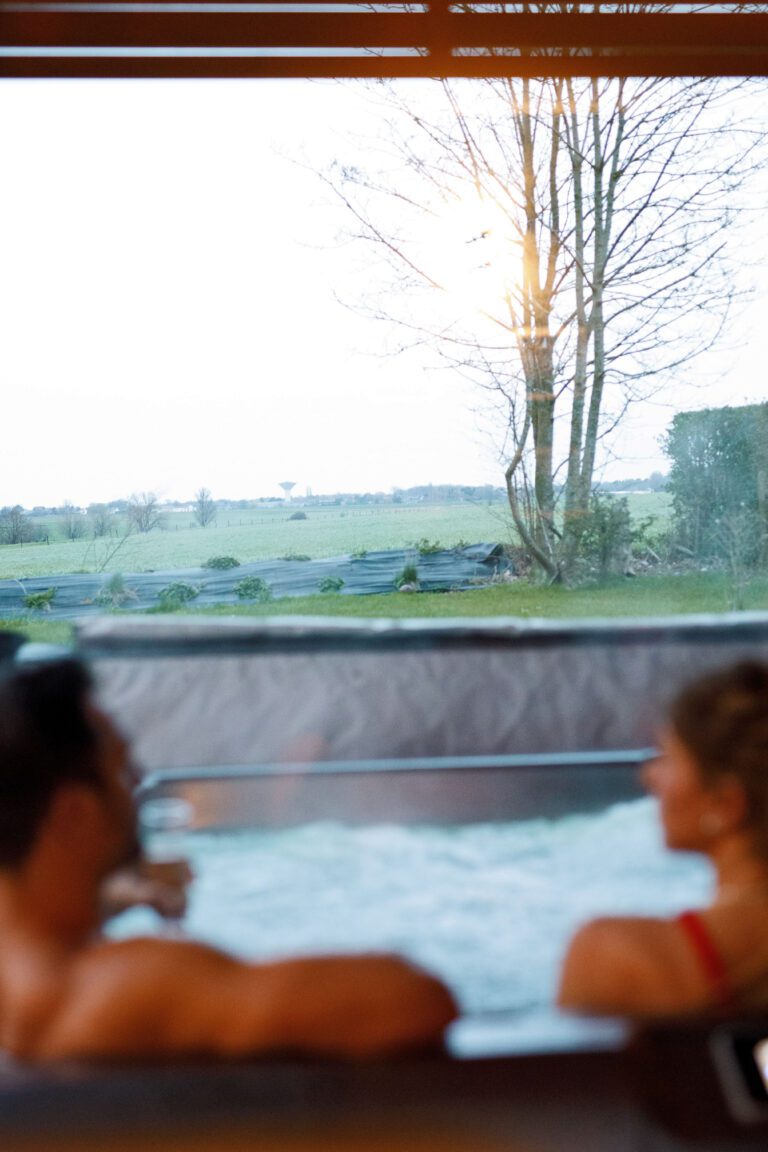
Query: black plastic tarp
x: 376, y: 572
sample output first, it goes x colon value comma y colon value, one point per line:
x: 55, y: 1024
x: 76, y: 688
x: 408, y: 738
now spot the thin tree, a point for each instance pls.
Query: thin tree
x: 101, y: 520
x: 561, y: 242
x: 144, y: 511
x: 15, y: 525
x: 73, y: 525
x: 205, y: 507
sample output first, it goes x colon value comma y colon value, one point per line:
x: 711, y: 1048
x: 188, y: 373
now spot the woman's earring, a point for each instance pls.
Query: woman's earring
x: 710, y: 824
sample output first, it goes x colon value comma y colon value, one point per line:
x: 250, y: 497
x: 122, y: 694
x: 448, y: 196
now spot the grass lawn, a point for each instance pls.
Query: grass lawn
x: 40, y: 630
x: 643, y: 596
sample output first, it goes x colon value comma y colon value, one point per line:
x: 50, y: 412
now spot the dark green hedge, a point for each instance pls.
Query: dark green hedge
x: 719, y: 479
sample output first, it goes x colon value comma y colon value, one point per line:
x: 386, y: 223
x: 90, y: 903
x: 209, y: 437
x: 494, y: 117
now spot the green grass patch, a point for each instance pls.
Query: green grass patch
x: 40, y: 631
x: 643, y: 596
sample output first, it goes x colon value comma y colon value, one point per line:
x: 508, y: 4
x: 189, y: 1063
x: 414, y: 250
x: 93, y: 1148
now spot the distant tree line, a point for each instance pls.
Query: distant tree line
x: 450, y: 493
x: 656, y: 482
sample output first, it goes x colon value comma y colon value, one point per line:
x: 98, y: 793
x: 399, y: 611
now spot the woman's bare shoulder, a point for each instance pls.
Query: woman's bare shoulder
x: 629, y: 964
x: 620, y: 933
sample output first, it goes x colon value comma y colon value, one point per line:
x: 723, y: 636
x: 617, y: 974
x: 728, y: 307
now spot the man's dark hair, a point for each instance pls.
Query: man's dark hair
x: 45, y: 739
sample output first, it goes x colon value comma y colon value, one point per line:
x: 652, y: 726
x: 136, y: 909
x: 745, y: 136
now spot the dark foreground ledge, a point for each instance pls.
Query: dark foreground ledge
x: 660, y: 1092
x: 406, y: 1104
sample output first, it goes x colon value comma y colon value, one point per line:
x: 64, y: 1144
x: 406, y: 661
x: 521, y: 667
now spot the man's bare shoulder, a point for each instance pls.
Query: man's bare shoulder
x: 153, y: 998
x: 145, y: 969
x: 147, y: 953
x: 137, y: 998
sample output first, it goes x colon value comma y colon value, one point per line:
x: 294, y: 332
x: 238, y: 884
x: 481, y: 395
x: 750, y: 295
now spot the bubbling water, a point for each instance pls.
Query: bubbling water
x: 487, y: 906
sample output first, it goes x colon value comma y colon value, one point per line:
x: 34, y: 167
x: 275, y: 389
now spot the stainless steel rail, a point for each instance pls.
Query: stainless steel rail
x: 425, y: 790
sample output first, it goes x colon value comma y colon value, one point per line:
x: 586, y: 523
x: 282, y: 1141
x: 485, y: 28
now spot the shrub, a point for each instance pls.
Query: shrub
x: 330, y: 584
x: 180, y: 592
x: 221, y: 563
x: 409, y: 575
x: 298, y: 516
x: 652, y: 539
x: 295, y: 556
x: 41, y: 600
x: 426, y: 547
x: 359, y: 554
x: 115, y: 593
x: 253, y: 588
x: 718, y: 463
x: 606, y: 536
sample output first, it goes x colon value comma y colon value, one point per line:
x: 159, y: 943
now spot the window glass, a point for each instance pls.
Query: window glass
x: 305, y: 329
x: 400, y: 350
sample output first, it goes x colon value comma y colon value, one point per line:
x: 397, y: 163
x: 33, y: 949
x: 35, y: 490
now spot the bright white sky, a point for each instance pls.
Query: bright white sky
x: 168, y: 315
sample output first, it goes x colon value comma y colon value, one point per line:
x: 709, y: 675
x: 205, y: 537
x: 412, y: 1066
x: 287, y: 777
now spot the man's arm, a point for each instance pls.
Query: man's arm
x: 160, y: 998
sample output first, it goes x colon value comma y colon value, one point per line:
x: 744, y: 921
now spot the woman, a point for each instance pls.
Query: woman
x: 711, y: 782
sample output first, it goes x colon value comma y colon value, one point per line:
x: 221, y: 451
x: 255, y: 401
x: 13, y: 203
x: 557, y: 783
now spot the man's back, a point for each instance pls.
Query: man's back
x: 155, y: 998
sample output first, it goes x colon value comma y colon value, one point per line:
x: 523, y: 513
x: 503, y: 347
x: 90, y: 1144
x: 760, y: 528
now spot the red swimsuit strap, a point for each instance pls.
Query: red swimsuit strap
x: 708, y: 954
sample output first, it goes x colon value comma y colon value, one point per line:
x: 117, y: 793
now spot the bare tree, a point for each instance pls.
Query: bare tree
x: 561, y: 242
x: 15, y: 525
x: 101, y: 520
x: 205, y: 507
x: 144, y: 511
x: 72, y: 521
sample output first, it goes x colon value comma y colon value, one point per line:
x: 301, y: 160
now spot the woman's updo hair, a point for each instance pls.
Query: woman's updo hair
x: 722, y: 719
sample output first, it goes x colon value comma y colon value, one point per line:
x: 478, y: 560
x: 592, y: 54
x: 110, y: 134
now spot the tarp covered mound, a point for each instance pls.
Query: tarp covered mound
x: 78, y: 595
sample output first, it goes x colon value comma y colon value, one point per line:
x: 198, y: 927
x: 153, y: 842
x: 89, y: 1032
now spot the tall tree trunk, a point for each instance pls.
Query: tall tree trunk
x: 573, y: 514
x: 534, y: 338
x: 603, y: 220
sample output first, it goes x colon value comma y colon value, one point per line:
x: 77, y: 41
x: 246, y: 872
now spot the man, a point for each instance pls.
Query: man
x: 68, y: 823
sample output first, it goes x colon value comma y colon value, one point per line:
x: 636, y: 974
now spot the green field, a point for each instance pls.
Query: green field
x: 266, y: 533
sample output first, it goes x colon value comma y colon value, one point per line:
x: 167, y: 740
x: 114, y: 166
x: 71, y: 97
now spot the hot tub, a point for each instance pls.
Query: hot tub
x: 464, y: 793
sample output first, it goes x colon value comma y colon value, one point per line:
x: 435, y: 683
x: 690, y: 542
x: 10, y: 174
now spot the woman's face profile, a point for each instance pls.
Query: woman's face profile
x: 687, y: 804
